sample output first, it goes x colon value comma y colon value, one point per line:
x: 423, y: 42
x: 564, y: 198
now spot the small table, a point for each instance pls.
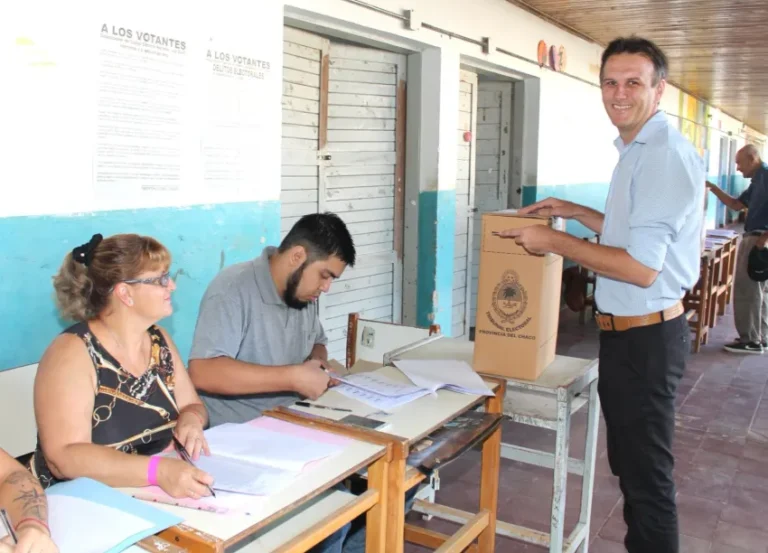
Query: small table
x: 567, y: 385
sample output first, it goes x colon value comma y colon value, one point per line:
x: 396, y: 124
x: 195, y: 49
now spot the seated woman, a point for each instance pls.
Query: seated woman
x: 111, y: 391
x: 24, y: 500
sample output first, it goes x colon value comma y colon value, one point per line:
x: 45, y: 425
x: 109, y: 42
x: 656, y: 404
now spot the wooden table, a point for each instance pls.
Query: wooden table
x: 301, y: 515
x: 411, y: 423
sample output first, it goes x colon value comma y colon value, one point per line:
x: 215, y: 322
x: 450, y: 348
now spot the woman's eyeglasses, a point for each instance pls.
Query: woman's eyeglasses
x: 163, y: 280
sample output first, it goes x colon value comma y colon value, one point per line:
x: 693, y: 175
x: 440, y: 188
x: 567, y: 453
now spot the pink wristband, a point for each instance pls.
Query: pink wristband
x: 152, y: 470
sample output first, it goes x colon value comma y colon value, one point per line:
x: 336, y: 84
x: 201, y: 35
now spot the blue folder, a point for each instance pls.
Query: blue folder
x: 96, y: 492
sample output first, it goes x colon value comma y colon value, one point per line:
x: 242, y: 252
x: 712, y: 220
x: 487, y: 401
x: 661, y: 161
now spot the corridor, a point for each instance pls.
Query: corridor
x: 721, y: 448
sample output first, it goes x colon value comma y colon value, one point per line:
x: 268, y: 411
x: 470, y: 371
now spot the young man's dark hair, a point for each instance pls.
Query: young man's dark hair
x: 322, y: 235
x: 636, y: 45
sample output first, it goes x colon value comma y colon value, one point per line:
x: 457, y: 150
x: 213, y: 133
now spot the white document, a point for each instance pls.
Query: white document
x: 378, y: 384
x: 235, y: 476
x: 255, y: 445
x: 74, y: 528
x: 433, y: 374
x: 379, y: 401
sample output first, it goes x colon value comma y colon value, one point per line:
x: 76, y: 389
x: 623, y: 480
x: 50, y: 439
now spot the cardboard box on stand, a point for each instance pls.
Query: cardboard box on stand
x: 518, y: 301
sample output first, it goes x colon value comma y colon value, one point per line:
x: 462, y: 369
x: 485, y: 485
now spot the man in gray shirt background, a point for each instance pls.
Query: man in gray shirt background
x: 258, y: 341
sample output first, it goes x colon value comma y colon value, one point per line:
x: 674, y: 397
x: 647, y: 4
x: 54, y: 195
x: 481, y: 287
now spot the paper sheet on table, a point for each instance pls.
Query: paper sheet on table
x: 379, y: 384
x: 235, y: 476
x: 260, y: 446
x: 434, y: 374
x: 76, y: 507
x: 228, y: 502
x: 381, y: 402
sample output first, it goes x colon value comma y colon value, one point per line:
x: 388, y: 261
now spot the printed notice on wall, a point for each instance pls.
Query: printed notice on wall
x: 140, y: 104
x: 234, y: 132
x: 142, y: 114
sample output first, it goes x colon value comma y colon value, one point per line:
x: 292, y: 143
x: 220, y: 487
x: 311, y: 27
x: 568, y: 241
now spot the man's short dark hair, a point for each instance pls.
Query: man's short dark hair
x: 637, y: 45
x: 321, y: 235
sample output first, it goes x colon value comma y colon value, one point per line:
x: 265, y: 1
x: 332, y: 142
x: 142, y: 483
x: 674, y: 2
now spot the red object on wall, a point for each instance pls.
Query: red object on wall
x: 467, y: 136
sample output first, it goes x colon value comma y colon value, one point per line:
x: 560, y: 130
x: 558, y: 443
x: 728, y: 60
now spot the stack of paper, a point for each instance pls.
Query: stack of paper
x: 378, y: 391
x: 434, y: 374
x: 257, y: 461
x: 247, y: 468
x: 76, y: 507
x: 727, y: 233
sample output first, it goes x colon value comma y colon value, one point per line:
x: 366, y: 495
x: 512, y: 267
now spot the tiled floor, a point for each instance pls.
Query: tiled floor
x: 721, y: 451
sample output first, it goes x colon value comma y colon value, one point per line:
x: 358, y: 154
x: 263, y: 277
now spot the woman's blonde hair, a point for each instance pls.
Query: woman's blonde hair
x: 90, y: 272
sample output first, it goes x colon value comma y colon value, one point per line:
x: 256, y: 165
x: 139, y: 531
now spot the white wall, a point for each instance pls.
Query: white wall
x: 575, y: 135
x: 66, y: 71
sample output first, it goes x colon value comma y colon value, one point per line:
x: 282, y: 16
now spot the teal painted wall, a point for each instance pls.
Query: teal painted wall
x: 201, y: 239
x: 437, y: 229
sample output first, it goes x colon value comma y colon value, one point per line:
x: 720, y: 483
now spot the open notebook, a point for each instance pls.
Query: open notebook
x: 426, y: 376
x: 451, y: 374
x: 78, y: 510
x: 253, y: 462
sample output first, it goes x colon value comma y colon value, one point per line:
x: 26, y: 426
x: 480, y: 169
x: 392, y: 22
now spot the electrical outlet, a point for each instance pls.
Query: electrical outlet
x: 368, y: 336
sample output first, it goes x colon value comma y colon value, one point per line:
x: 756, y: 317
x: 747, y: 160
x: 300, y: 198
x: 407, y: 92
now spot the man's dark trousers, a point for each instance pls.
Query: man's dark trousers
x: 640, y: 370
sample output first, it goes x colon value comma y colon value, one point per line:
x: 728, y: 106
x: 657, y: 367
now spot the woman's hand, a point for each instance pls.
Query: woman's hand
x: 189, y: 431
x: 180, y: 479
x: 33, y: 538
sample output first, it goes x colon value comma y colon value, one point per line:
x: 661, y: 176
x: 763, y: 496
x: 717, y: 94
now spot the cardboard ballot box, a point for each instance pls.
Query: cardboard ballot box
x: 518, y: 301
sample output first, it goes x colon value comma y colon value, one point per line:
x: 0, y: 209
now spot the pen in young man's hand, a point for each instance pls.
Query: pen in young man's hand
x: 184, y: 455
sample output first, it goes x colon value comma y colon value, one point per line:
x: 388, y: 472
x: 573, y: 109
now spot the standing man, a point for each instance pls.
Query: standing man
x: 647, y: 258
x: 750, y: 298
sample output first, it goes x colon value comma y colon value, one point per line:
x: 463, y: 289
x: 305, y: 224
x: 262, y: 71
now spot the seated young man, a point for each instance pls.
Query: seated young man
x: 259, y: 342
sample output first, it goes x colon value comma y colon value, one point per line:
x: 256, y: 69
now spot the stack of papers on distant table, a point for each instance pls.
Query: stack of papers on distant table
x: 727, y: 233
x: 256, y: 461
x: 86, y: 516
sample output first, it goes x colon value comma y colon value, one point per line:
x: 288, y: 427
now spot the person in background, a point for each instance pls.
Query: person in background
x: 24, y: 500
x: 750, y: 298
x: 111, y: 391
x: 648, y: 257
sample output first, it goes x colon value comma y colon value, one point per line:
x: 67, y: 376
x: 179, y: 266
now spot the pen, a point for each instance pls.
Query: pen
x: 188, y: 459
x: 8, y: 525
x: 307, y: 404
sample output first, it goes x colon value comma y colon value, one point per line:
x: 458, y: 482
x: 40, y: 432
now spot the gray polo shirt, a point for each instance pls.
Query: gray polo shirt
x: 243, y: 317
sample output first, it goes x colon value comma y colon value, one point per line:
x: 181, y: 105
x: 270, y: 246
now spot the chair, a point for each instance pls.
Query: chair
x: 718, y: 290
x: 364, y: 343
x: 696, y: 303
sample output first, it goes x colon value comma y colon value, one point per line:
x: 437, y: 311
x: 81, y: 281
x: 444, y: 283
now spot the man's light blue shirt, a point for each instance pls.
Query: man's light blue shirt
x: 655, y: 211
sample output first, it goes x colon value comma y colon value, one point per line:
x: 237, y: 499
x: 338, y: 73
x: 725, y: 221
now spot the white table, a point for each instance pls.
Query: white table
x: 565, y: 386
